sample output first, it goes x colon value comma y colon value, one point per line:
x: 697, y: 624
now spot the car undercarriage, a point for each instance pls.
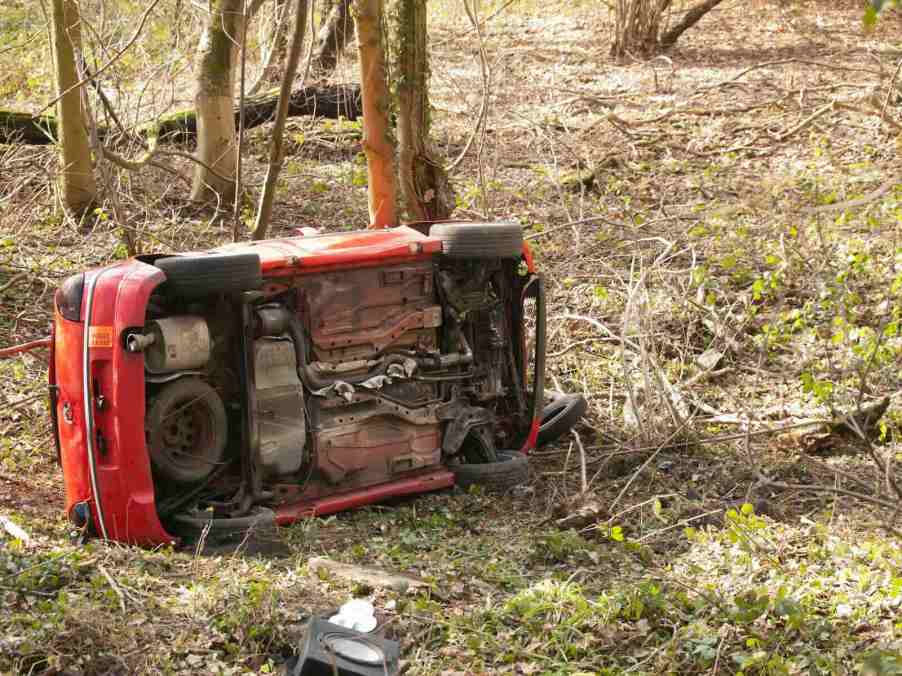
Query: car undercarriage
x: 294, y: 377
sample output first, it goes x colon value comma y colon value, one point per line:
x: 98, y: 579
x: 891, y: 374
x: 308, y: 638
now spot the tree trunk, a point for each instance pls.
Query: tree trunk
x: 78, y: 186
x: 217, y: 56
x: 336, y: 32
x: 636, y: 26
x: 278, y: 46
x: 332, y: 101
x: 377, y: 139
x: 424, y: 186
x: 690, y: 18
x: 264, y: 212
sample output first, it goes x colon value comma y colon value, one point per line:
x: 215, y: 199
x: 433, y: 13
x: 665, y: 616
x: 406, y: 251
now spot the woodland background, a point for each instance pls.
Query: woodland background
x: 719, y: 225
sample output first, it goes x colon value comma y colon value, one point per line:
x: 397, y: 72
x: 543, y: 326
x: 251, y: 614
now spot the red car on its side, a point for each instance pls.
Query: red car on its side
x: 267, y: 381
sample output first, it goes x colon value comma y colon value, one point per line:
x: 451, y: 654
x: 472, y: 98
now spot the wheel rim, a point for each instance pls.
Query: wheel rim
x: 478, y: 447
x: 187, y: 433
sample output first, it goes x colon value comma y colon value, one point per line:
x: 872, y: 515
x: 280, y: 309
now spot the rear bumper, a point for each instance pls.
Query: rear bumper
x: 99, y: 409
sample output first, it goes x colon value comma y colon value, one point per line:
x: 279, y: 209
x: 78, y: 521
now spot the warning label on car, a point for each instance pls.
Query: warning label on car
x: 101, y: 336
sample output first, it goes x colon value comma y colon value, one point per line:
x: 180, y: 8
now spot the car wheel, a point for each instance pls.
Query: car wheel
x: 194, y: 276
x: 479, y: 240
x: 191, y: 524
x: 560, y: 415
x: 186, y: 430
x: 511, y: 469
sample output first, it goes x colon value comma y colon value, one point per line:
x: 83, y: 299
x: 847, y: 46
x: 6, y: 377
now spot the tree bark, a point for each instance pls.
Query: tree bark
x: 690, y: 18
x: 79, y: 189
x: 264, y: 212
x: 217, y: 56
x: 424, y: 186
x: 377, y: 139
x: 278, y: 39
x: 332, y: 101
x: 333, y: 37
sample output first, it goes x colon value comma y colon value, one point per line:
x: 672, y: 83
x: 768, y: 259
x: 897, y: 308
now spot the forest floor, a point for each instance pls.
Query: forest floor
x: 720, y: 232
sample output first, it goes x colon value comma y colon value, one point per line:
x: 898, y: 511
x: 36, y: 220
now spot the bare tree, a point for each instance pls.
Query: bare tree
x: 377, y: 138
x: 214, y: 176
x: 334, y: 35
x: 423, y: 183
x: 264, y: 212
x: 639, y: 25
x: 278, y: 45
x: 78, y: 186
x: 690, y: 18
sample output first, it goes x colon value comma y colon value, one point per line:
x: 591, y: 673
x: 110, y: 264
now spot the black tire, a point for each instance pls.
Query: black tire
x: 559, y: 416
x: 194, y: 276
x: 511, y: 469
x: 191, y: 524
x: 254, y: 535
x: 479, y: 240
x: 187, y: 430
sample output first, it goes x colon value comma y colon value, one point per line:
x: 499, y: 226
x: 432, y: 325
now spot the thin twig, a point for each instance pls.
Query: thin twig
x: 118, y: 55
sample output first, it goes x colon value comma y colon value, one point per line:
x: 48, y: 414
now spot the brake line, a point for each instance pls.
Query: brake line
x: 12, y: 351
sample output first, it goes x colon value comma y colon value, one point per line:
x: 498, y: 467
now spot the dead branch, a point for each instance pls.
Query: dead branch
x: 690, y: 18
x: 118, y: 55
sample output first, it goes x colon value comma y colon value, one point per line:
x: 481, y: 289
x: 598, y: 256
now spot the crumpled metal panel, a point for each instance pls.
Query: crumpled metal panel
x: 355, y: 314
x: 359, y: 454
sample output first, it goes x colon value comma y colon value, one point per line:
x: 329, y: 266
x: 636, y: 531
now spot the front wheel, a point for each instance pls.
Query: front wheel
x: 479, y: 240
x: 509, y: 470
x: 560, y: 415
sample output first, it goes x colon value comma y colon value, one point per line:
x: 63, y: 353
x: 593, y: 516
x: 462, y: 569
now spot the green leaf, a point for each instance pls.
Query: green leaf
x: 617, y: 534
x: 870, y: 15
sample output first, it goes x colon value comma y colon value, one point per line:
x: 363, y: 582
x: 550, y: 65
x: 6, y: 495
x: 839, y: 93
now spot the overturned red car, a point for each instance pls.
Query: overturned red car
x: 267, y: 381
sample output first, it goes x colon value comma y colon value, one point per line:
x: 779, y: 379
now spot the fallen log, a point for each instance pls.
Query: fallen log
x: 372, y: 577
x: 331, y: 101
x: 24, y: 129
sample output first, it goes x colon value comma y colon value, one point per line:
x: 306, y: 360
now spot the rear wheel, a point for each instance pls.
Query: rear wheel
x: 193, y: 523
x: 479, y: 240
x: 194, y: 276
x: 511, y: 469
x: 186, y: 430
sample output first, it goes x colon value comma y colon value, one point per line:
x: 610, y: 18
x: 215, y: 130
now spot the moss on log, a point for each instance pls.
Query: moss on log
x: 332, y: 101
x: 25, y: 129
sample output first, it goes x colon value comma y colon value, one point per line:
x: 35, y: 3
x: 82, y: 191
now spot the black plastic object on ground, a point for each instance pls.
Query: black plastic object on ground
x: 331, y: 650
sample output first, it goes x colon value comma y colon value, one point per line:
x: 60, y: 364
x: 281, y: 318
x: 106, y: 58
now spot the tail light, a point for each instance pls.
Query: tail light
x: 68, y: 297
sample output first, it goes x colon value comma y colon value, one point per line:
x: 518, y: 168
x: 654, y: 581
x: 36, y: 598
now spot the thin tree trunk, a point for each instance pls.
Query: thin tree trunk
x: 278, y: 46
x: 217, y: 56
x: 690, y: 18
x: 333, y: 37
x: 78, y: 186
x: 424, y: 186
x: 377, y: 139
x: 264, y: 212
